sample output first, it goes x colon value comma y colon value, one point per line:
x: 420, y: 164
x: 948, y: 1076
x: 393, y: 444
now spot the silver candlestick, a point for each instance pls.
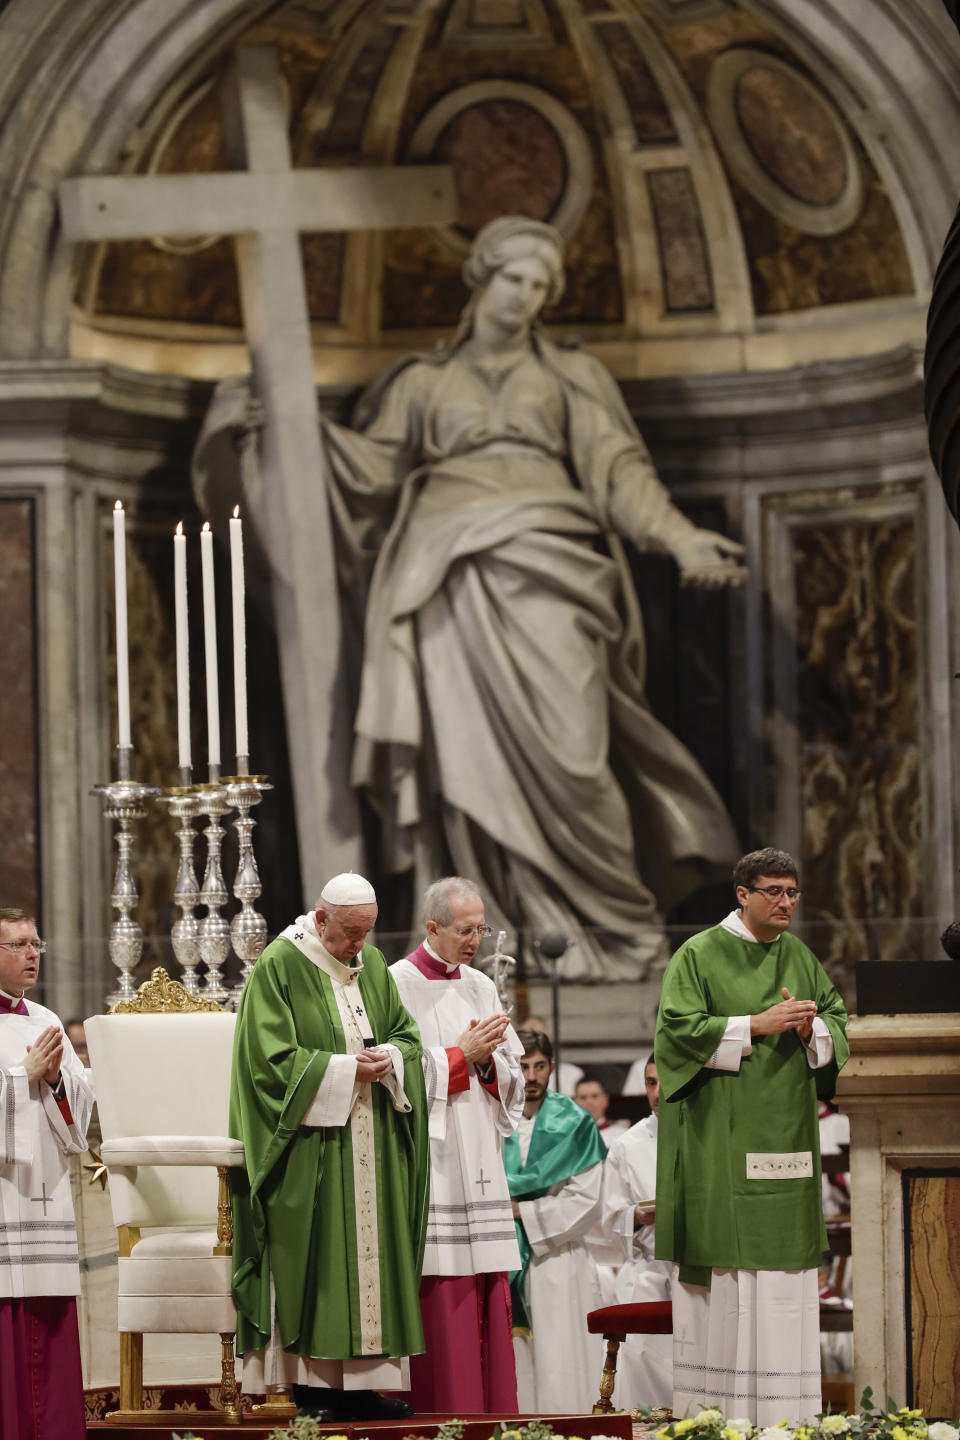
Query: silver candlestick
x: 183, y: 802
x: 248, y: 929
x: 500, y: 962
x: 124, y: 800
x: 214, y: 929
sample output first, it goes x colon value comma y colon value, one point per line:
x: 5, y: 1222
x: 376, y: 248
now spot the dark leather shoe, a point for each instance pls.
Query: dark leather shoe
x: 315, y: 1401
x: 370, y: 1405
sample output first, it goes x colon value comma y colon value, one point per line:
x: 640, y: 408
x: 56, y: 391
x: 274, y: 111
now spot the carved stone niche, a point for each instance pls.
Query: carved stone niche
x: 901, y: 1090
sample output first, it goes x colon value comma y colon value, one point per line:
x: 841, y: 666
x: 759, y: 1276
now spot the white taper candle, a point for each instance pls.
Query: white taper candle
x: 120, y: 591
x: 239, y: 638
x: 183, y: 645
x: 210, y: 645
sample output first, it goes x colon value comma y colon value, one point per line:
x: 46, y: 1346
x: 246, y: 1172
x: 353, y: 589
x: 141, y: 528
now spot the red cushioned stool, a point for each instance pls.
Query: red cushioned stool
x: 615, y: 1323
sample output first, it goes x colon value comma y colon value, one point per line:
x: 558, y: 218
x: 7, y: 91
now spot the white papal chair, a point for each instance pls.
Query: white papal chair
x: 161, y: 1072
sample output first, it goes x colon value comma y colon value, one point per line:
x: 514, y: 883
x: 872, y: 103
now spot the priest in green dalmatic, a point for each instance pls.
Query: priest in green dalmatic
x: 330, y: 1211
x: 749, y: 1030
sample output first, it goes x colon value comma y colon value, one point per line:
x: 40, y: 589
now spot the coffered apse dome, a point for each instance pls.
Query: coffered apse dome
x: 743, y: 185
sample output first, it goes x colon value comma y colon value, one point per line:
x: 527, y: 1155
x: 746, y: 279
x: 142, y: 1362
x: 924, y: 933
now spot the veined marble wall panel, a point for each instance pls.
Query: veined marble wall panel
x: 684, y: 259
x: 19, y: 827
x: 851, y: 763
x: 933, y: 1290
x: 651, y: 119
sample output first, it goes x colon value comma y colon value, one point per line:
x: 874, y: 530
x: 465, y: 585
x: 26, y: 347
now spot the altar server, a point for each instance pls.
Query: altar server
x: 747, y: 1016
x: 554, y: 1168
x: 475, y: 1097
x: 644, y: 1370
x: 45, y: 1104
x: 330, y: 1211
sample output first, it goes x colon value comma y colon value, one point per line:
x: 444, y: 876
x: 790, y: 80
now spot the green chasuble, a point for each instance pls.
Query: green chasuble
x: 564, y: 1142
x: 738, y: 1154
x: 295, y: 1206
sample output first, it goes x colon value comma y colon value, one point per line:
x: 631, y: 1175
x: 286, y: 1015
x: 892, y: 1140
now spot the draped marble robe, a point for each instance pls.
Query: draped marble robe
x: 468, y: 1364
x: 503, y: 666
x: 738, y: 1172
x: 41, y: 1384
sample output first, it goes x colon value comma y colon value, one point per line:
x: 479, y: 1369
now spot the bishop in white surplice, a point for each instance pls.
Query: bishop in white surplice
x: 474, y: 1098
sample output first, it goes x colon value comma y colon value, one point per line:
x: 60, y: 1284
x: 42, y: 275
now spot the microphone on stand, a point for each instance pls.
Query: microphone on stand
x: 553, y: 944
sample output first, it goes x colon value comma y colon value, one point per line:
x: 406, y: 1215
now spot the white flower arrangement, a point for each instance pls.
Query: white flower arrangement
x: 869, y: 1423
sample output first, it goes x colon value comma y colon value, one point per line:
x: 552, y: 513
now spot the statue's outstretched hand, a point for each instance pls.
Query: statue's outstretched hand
x: 709, y: 560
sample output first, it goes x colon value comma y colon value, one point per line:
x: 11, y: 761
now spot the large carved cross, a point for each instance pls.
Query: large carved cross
x: 265, y: 204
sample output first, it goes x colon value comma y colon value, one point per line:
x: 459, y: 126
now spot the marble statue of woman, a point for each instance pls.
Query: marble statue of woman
x: 501, y: 729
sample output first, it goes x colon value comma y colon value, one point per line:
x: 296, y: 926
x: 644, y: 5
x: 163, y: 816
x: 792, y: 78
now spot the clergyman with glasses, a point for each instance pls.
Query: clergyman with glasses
x: 45, y: 1104
x: 749, y: 1028
x: 475, y: 1094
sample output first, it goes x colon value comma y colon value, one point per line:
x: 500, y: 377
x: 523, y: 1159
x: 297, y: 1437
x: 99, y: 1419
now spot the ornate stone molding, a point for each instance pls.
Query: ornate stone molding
x: 806, y: 169
x: 578, y: 181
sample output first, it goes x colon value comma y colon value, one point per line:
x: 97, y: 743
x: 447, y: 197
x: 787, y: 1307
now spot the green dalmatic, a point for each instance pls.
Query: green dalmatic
x: 738, y: 1161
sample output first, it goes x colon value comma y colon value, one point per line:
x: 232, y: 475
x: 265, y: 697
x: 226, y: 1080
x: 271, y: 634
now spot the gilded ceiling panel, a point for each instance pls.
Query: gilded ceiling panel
x: 816, y: 224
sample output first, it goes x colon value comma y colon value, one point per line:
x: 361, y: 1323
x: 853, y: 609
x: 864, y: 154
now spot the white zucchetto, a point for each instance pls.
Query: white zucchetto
x: 348, y: 889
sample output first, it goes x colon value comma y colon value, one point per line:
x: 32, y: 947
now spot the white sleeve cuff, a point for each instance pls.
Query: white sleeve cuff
x: 436, y: 1073
x: 16, y: 1131
x: 335, y: 1094
x: 393, y: 1082
x: 67, y: 1137
x: 530, y: 1220
x: 734, y: 1045
x: 819, y: 1045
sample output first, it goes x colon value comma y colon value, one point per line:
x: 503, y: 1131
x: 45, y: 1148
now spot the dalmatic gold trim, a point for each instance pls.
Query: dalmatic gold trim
x: 364, y: 1180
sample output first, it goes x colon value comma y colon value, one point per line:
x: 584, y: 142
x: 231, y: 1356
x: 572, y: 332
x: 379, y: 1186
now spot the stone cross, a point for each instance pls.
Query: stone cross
x: 265, y: 204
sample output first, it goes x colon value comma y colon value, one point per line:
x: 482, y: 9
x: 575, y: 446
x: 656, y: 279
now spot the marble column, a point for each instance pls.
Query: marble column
x: 75, y: 435
x: 901, y: 1090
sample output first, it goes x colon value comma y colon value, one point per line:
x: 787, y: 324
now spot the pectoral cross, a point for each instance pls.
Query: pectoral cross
x: 482, y: 1182
x: 43, y: 1198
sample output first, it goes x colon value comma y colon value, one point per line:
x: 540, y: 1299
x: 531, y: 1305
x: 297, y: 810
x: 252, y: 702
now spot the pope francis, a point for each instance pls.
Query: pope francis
x: 329, y: 1214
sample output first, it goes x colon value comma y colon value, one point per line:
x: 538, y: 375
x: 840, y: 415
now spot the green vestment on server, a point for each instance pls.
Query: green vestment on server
x: 565, y: 1141
x: 295, y: 1206
x: 738, y: 1157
